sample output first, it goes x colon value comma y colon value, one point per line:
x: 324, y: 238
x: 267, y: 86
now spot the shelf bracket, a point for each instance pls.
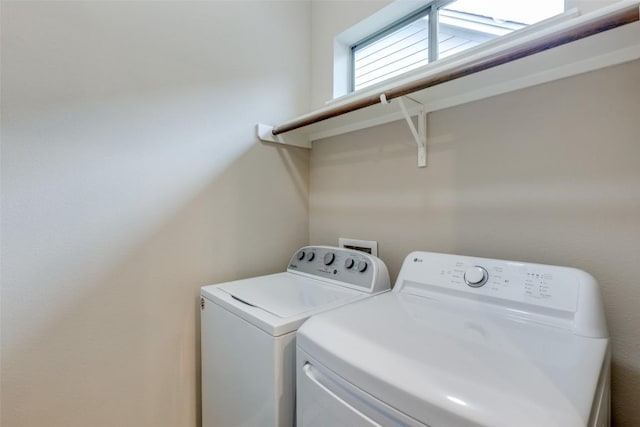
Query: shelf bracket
x: 263, y: 132
x: 420, y: 134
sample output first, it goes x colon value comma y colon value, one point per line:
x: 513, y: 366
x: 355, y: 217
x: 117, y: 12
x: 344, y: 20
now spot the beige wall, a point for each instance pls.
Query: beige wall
x: 548, y: 174
x: 131, y: 177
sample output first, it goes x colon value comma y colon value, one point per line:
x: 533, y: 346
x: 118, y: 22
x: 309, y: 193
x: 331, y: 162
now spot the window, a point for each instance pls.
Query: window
x: 439, y: 30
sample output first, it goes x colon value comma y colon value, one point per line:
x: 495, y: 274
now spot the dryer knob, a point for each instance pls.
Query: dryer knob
x: 329, y: 257
x: 348, y: 263
x: 311, y: 256
x: 475, y: 276
x: 301, y: 255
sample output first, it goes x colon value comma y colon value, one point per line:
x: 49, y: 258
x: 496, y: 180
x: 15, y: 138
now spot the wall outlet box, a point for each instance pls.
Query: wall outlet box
x: 368, y: 246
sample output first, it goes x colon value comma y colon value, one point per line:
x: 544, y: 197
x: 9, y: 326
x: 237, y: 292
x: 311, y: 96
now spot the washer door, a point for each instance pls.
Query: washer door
x: 287, y: 295
x: 325, y: 399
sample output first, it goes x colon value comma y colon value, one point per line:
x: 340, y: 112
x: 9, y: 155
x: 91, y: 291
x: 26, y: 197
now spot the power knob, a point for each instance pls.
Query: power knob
x: 328, y: 258
x: 476, y: 276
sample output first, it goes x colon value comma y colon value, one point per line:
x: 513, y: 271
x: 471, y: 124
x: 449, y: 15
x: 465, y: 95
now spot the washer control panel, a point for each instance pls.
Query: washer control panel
x: 343, y: 265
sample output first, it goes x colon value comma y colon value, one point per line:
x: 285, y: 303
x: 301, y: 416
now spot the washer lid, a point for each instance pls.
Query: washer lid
x: 279, y: 303
x: 457, y: 365
x: 287, y: 295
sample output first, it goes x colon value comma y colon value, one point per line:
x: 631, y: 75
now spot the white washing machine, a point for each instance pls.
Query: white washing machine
x: 460, y: 341
x: 248, y: 330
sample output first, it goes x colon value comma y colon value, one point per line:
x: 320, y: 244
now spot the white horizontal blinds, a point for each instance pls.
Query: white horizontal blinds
x: 396, y: 53
x: 460, y: 31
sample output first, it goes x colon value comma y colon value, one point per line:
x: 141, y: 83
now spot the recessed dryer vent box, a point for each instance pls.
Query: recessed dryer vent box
x: 368, y: 246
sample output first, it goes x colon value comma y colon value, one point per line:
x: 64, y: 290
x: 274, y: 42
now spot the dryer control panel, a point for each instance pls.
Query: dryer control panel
x: 345, y: 267
x: 559, y: 295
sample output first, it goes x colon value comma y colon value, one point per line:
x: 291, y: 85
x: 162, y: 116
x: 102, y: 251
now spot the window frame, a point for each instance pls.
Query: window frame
x: 431, y: 10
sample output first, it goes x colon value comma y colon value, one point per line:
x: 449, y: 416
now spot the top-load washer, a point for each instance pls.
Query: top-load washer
x: 460, y: 341
x: 248, y: 330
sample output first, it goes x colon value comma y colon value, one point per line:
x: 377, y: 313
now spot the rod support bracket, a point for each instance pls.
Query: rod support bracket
x: 265, y: 134
x: 420, y: 134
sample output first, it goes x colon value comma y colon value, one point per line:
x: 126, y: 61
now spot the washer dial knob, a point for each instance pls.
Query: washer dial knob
x: 329, y: 257
x: 301, y: 255
x: 476, y: 276
x: 362, y: 266
x: 348, y: 263
x: 311, y: 256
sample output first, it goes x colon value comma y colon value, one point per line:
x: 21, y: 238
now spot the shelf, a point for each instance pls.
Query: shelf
x: 606, y: 48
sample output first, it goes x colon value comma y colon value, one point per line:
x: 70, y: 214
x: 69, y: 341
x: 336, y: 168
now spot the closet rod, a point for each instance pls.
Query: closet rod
x: 608, y: 22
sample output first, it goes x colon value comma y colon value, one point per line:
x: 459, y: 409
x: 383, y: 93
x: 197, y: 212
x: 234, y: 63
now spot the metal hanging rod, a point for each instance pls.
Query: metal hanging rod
x: 615, y: 19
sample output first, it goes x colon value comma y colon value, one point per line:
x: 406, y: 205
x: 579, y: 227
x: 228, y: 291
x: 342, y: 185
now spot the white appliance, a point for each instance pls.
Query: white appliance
x: 460, y: 341
x: 248, y: 330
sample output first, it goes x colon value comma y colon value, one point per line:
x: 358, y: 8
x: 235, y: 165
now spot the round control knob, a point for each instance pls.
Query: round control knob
x: 362, y: 266
x: 475, y: 276
x: 328, y: 258
x: 348, y: 263
x: 301, y: 255
x: 311, y: 256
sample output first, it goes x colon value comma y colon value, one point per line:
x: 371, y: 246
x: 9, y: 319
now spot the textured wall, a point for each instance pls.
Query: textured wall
x: 131, y: 177
x: 548, y: 174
